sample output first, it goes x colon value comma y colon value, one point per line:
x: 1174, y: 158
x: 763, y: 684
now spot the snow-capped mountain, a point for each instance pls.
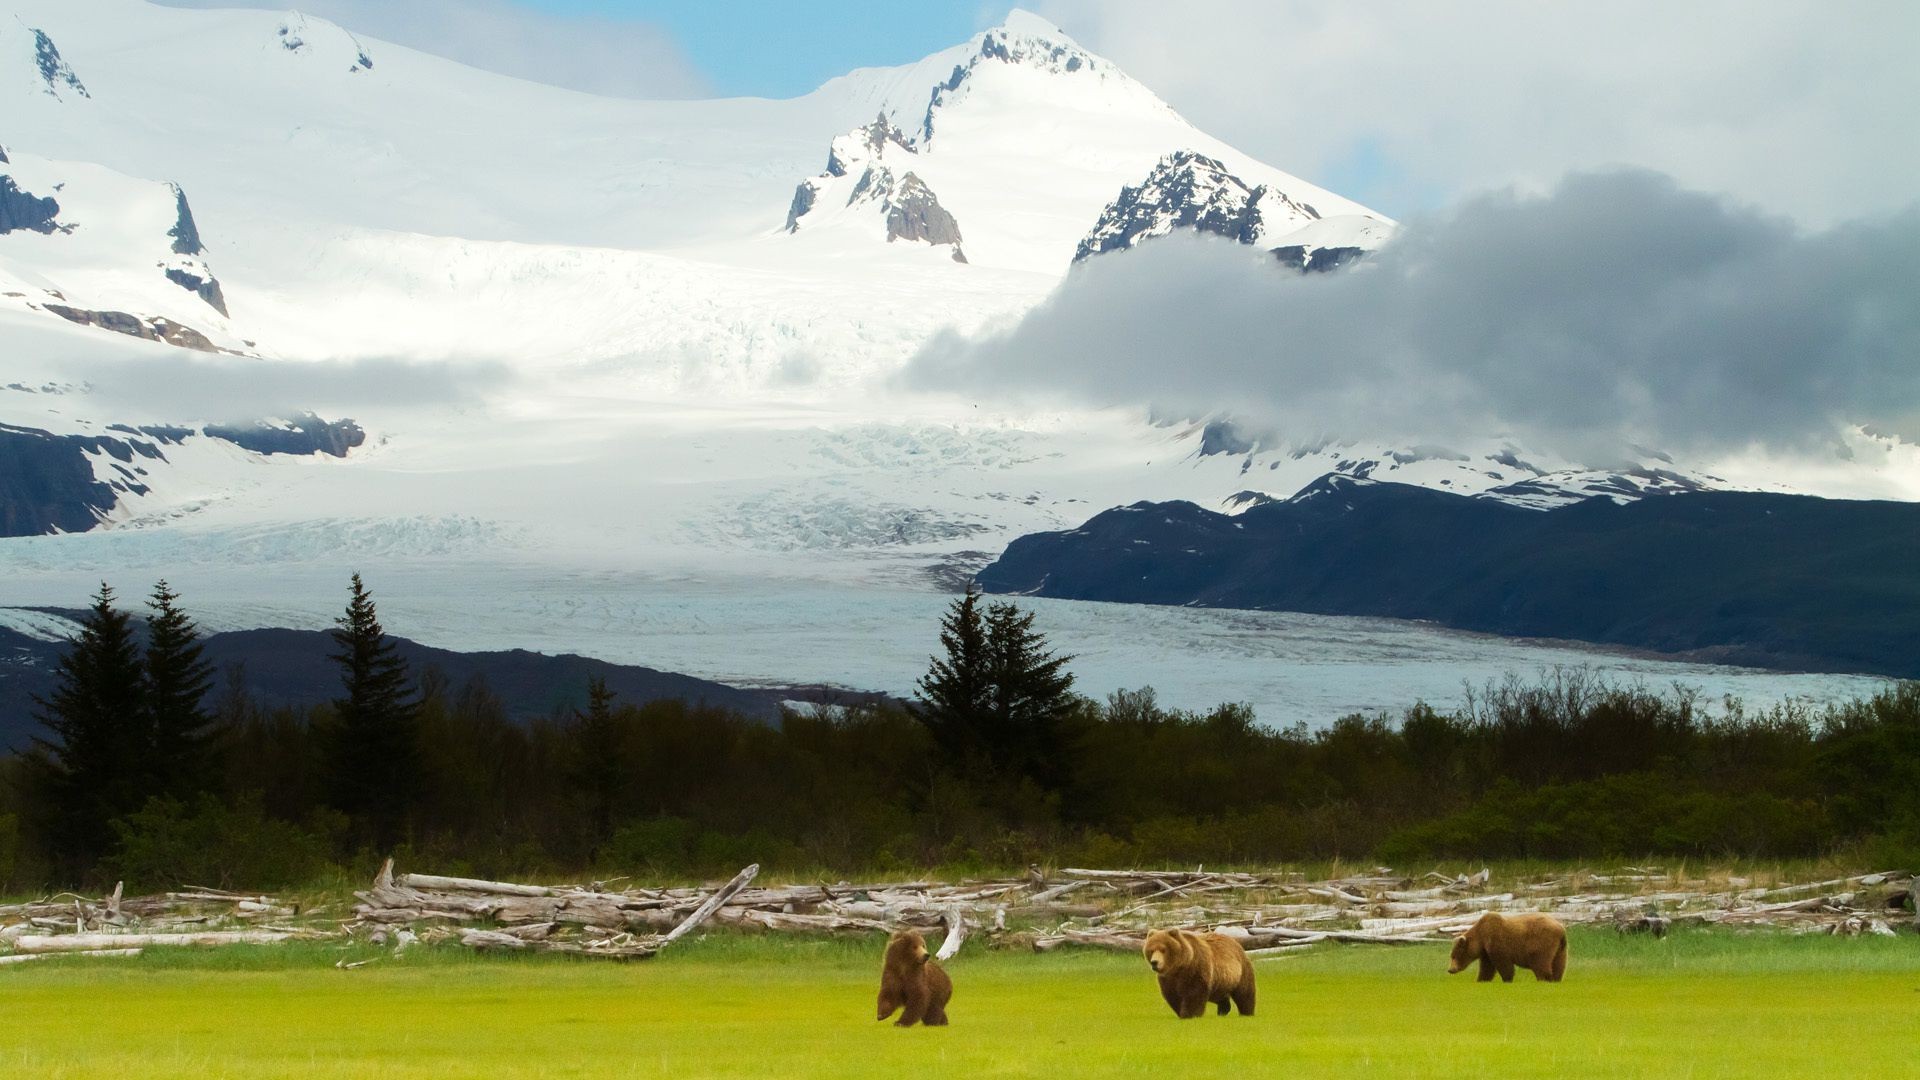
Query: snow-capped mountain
x: 108, y: 251
x: 618, y: 377
x: 863, y: 183
x: 1190, y: 191
x: 747, y: 275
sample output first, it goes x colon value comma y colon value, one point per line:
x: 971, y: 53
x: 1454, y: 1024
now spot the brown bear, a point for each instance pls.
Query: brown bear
x: 1503, y: 942
x: 1197, y: 968
x: 911, y: 981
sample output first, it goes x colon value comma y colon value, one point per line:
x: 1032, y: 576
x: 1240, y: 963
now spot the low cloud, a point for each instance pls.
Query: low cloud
x: 185, y: 387
x: 613, y: 57
x: 1616, y: 309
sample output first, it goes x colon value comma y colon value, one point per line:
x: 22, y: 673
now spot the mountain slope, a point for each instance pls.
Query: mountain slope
x: 1770, y: 580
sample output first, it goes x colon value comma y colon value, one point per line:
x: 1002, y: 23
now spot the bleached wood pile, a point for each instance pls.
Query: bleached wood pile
x: 119, y: 925
x: 1271, y: 913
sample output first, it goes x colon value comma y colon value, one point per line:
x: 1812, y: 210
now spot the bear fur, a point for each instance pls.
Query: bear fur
x: 1503, y: 942
x: 912, y: 982
x: 1197, y: 968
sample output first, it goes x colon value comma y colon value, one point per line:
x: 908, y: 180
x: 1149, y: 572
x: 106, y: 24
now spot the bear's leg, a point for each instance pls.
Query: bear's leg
x: 1559, y: 961
x: 1506, y: 970
x: 1486, y: 970
x: 1243, y: 995
x: 888, y: 1003
x: 936, y: 1016
x: 1172, y: 996
x: 916, y: 1007
x: 1195, y: 1005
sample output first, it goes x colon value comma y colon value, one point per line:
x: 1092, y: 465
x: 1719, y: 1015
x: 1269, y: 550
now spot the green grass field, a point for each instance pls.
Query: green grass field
x: 1699, y: 1004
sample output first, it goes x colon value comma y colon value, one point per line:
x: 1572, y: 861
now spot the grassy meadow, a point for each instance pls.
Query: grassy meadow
x: 1702, y: 1003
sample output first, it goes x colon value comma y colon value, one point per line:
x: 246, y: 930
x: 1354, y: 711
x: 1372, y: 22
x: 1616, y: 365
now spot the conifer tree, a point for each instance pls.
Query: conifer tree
x: 597, y: 774
x: 93, y: 754
x: 1032, y: 693
x: 373, y: 750
x: 177, y: 680
x: 954, y: 695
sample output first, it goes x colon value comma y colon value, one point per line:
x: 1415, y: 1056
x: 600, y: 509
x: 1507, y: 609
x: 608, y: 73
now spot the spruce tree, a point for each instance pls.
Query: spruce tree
x: 373, y: 750
x: 177, y: 680
x: 597, y: 774
x: 93, y: 754
x: 954, y: 695
x: 1032, y: 693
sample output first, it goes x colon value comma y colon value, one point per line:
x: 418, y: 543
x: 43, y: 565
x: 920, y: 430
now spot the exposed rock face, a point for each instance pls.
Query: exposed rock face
x: 302, y: 435
x: 21, y: 211
x: 194, y: 276
x: 914, y: 214
x: 47, y: 482
x: 1317, y: 260
x: 804, y: 196
x: 54, y: 71
x: 1024, y: 42
x: 1187, y: 190
x: 206, y: 288
x: 185, y: 234
x: 859, y: 163
x: 1744, y: 577
x: 1225, y: 437
x: 60, y: 483
x: 149, y: 329
x: 297, y: 35
x: 872, y: 139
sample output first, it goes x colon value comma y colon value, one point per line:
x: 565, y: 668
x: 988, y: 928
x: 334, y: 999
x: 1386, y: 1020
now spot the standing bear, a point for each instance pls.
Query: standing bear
x: 1503, y: 942
x: 1197, y: 968
x: 911, y: 981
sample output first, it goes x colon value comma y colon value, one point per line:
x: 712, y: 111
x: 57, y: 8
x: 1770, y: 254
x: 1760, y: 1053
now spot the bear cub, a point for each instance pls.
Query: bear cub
x: 912, y: 982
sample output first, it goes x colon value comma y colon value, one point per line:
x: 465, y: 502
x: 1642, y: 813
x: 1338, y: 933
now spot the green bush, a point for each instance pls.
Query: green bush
x: 168, y: 844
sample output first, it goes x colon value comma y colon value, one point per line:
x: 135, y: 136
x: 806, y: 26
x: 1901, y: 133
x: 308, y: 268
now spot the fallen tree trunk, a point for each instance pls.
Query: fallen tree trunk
x: 956, y: 933
x: 50, y: 943
x: 27, y: 958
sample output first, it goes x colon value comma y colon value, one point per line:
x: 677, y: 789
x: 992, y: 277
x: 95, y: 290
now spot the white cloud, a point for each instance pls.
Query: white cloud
x: 614, y: 57
x: 1808, y: 108
x: 1616, y: 309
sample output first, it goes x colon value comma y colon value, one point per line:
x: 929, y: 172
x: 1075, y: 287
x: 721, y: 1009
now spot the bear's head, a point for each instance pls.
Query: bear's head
x: 1466, y: 949
x: 1167, y: 950
x: 907, y: 949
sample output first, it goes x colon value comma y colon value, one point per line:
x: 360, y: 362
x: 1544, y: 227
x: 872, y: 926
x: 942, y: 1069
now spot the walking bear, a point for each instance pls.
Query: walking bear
x: 1197, y: 968
x: 912, y: 982
x: 1503, y: 942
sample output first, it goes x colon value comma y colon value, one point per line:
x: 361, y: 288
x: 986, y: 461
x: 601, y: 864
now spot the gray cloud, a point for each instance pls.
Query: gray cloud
x: 1616, y: 309
x: 178, y: 386
x: 614, y: 57
x: 1807, y: 107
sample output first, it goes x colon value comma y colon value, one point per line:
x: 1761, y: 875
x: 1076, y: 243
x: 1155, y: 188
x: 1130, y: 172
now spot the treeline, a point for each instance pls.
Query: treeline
x: 996, y: 763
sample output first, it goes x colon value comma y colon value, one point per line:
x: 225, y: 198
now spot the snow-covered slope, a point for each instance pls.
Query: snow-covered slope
x: 563, y: 268
x: 1189, y: 191
x: 84, y: 243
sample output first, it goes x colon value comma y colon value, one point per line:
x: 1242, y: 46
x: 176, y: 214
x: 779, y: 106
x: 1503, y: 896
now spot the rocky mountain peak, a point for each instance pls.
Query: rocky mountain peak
x: 1186, y: 190
x: 54, y: 71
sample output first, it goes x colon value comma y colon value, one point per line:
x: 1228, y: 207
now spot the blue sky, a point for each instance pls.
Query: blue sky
x: 780, y: 49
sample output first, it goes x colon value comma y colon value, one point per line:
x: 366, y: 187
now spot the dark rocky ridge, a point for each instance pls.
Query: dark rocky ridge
x: 1784, y: 581
x: 914, y: 214
x: 153, y: 328
x: 48, y: 482
x: 21, y: 211
x: 302, y: 435
x: 290, y: 668
x: 1317, y: 260
x: 54, y: 71
x: 1186, y: 190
